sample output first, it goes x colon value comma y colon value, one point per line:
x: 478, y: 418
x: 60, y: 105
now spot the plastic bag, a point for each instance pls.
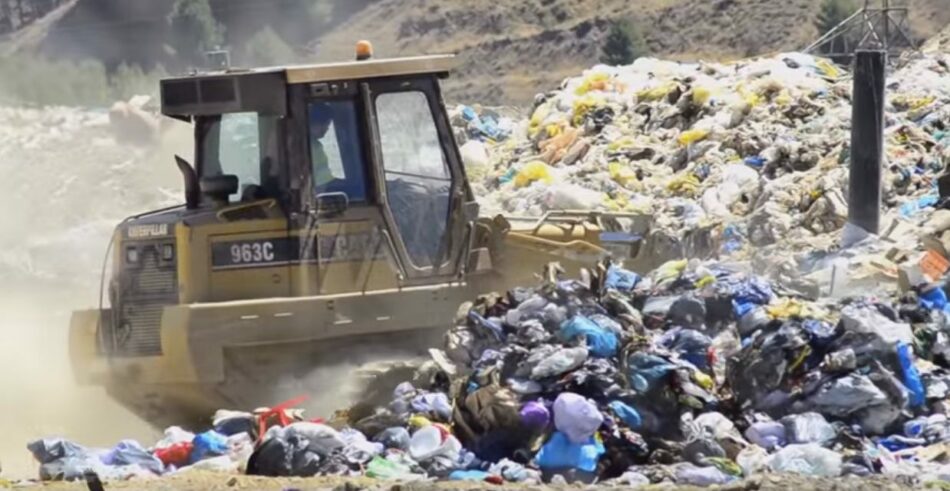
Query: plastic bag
x: 533, y: 171
x: 690, y: 474
x: 174, y: 435
x: 753, y: 460
x: 627, y: 414
x: 767, y: 434
x: 689, y: 137
x: 560, y: 453
x: 208, y: 444
x: 386, y: 470
x: 476, y: 159
x: 809, y: 459
x: 514, y: 472
x: 911, y: 377
x: 131, y: 452
x: 808, y: 428
x: 576, y: 417
x: 177, y: 454
x: 534, y: 415
x: 323, y: 439
x: 432, y: 441
x: 621, y: 279
x: 600, y: 342
x: 571, y: 197
x: 395, y: 437
x: 867, y: 319
x: 560, y: 361
x: 434, y: 404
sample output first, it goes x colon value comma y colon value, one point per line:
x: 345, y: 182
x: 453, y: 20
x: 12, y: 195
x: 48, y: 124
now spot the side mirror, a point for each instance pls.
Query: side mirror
x: 331, y: 205
x: 191, y: 182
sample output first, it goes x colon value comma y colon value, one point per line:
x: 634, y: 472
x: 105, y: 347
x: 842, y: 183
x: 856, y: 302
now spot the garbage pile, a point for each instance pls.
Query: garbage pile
x: 698, y: 373
x: 756, y: 150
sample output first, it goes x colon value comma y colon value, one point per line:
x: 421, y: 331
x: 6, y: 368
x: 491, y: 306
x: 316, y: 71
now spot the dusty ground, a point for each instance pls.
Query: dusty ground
x: 197, y: 481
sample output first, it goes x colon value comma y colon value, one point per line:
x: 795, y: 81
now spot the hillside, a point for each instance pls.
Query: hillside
x: 511, y: 50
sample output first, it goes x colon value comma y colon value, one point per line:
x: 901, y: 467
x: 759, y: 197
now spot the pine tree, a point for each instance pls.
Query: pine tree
x: 623, y: 45
x: 832, y: 13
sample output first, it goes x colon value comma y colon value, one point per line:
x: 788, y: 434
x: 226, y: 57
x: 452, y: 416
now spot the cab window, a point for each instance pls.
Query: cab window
x: 237, y: 144
x: 418, y: 180
x: 335, y: 151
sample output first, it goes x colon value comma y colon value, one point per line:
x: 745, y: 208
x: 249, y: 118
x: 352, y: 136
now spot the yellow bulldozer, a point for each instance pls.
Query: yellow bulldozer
x: 327, y: 222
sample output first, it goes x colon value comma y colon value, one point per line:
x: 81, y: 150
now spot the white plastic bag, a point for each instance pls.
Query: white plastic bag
x: 809, y: 459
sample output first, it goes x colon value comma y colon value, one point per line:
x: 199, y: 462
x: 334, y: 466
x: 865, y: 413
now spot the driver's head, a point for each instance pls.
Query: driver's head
x: 321, y: 115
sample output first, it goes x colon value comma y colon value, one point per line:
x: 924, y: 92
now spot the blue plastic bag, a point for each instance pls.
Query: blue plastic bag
x: 645, y: 370
x: 627, y: 414
x: 621, y: 279
x: 934, y: 299
x: 131, y: 452
x: 601, y: 342
x: 560, y: 453
x: 911, y: 376
x: 208, y: 444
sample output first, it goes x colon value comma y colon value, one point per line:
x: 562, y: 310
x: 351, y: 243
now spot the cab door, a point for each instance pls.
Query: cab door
x: 418, y: 176
x: 343, y: 251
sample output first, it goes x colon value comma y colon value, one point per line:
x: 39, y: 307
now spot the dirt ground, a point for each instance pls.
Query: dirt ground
x: 208, y: 481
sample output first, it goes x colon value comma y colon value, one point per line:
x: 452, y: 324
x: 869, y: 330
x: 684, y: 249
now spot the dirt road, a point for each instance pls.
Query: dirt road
x: 205, y: 481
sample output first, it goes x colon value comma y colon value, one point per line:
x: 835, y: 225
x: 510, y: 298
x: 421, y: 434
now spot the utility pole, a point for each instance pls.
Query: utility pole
x: 867, y: 139
x: 879, y: 25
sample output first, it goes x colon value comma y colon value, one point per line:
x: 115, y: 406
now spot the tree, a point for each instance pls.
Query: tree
x: 194, y: 29
x: 623, y: 45
x: 830, y: 14
x: 267, y: 48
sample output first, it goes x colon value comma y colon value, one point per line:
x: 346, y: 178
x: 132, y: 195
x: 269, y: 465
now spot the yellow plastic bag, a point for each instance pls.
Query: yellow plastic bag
x: 701, y: 95
x: 748, y: 96
x: 784, y: 98
x: 704, y: 381
x: 417, y: 421
x: 597, y: 81
x: 621, y: 174
x: 656, y: 93
x: 828, y: 69
x: 584, y: 105
x: 533, y: 171
x: 684, y: 184
x: 669, y: 271
x: 689, y: 137
x: 537, y: 118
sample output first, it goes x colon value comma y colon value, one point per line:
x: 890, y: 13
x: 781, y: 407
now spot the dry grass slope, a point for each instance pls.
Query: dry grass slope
x: 511, y: 49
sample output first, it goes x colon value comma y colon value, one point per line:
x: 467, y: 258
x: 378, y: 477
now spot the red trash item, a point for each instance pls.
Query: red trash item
x: 279, y: 412
x: 176, y: 455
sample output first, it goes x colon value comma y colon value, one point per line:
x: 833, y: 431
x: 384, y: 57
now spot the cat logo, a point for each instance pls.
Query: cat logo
x: 148, y: 231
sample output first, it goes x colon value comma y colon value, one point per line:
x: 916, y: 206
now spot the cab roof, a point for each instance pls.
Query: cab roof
x: 262, y: 89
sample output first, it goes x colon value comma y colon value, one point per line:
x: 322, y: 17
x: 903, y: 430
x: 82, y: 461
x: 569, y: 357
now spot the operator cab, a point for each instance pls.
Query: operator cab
x: 361, y: 149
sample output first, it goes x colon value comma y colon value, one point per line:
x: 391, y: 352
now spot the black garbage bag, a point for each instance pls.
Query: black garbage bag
x: 273, y: 458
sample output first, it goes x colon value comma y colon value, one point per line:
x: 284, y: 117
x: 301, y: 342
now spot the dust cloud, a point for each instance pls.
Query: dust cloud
x: 68, y: 183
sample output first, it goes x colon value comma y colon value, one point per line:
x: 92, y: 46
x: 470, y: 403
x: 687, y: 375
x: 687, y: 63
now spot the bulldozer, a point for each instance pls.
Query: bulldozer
x: 327, y: 222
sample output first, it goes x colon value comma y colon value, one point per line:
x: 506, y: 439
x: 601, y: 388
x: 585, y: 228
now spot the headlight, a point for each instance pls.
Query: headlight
x: 131, y: 255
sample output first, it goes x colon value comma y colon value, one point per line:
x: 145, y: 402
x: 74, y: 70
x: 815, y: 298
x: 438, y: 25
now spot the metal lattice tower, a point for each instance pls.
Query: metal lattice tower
x: 879, y: 25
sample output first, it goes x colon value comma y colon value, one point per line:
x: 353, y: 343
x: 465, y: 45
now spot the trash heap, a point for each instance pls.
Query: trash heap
x: 698, y: 373
x: 756, y: 150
